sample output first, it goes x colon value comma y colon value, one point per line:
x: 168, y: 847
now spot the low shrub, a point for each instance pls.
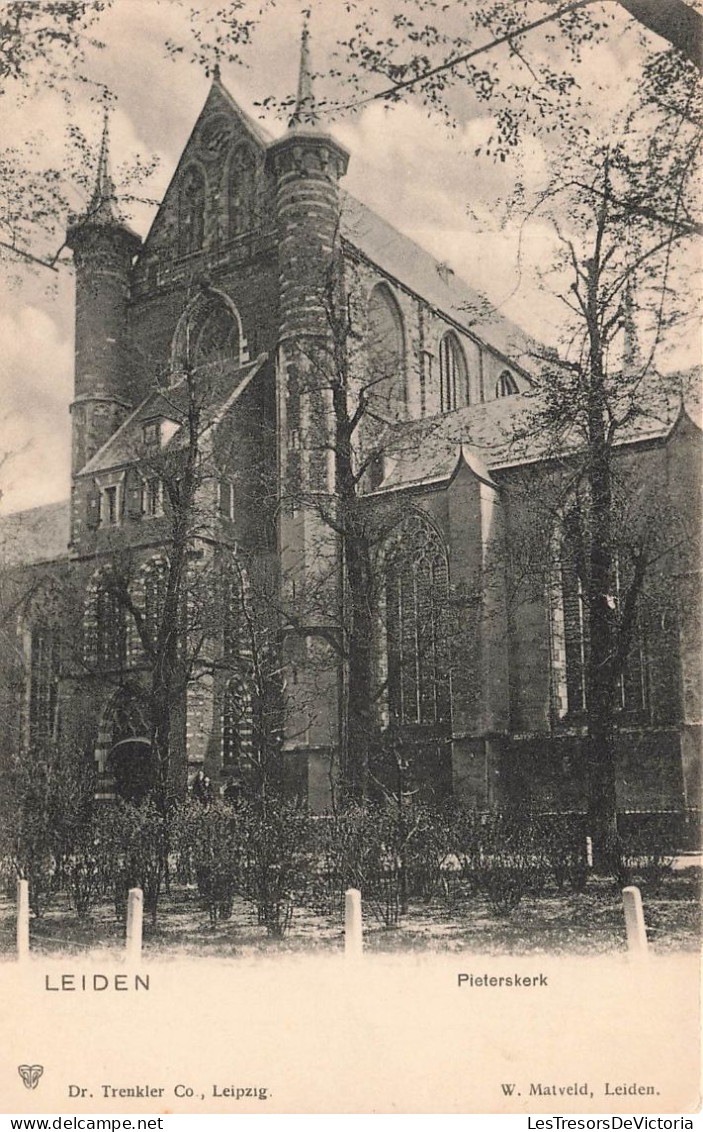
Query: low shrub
x: 277, y: 857
x: 563, y: 841
x: 138, y: 839
x: 364, y: 847
x: 87, y: 865
x: 208, y: 843
x: 510, y: 861
x: 432, y: 866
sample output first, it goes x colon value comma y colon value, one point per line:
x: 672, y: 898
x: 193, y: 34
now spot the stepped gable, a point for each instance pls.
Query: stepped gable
x: 39, y: 534
x: 170, y: 404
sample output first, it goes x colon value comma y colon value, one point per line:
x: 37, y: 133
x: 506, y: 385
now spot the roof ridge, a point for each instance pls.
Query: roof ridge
x: 445, y: 289
x: 35, y: 507
x: 264, y: 135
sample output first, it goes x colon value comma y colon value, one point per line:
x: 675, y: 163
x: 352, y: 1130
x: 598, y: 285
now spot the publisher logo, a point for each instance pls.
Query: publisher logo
x: 30, y: 1074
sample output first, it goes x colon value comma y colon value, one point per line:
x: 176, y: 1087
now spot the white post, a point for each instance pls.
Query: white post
x: 634, y: 922
x: 353, y: 938
x: 135, y: 911
x: 22, y: 920
x: 589, y: 852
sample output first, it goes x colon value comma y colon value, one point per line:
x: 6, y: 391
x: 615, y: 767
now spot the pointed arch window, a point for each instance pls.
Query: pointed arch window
x: 216, y: 335
x: 632, y: 686
x: 192, y: 212
x: 506, y: 385
x: 209, y: 330
x: 105, y: 626
x: 569, y: 620
x: 453, y: 376
x: 416, y: 594
x: 235, y: 642
x: 242, y: 191
x: 237, y: 724
x: 570, y: 632
x: 44, y: 681
x: 386, y: 353
x: 155, y: 576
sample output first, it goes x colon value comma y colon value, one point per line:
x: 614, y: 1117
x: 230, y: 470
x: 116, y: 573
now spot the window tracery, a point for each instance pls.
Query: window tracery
x: 192, y: 212
x: 104, y: 624
x: 506, y: 386
x: 216, y: 335
x: 416, y: 595
x: 570, y: 630
x: 237, y: 723
x: 242, y: 191
x: 386, y: 353
x: 453, y: 376
x: 44, y: 681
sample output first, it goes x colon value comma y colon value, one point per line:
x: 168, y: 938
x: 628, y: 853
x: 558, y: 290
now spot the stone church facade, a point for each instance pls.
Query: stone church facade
x: 478, y: 662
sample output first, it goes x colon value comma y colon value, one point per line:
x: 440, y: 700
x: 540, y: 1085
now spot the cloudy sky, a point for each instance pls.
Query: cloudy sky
x: 407, y: 164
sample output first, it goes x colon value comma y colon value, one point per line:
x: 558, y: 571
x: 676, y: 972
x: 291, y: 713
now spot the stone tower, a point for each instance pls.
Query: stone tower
x: 103, y: 249
x: 307, y: 164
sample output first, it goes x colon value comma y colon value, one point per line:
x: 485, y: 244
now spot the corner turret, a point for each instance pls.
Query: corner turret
x: 103, y: 248
x: 308, y: 164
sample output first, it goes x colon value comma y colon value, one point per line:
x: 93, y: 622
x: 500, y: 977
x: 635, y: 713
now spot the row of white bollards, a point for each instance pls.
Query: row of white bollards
x: 353, y: 924
x: 135, y: 918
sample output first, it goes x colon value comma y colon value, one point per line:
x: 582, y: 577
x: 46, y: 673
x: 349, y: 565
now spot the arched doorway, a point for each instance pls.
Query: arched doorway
x: 128, y: 760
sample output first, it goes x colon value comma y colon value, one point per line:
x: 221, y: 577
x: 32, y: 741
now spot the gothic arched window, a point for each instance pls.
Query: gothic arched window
x: 570, y: 627
x: 237, y: 723
x: 155, y: 580
x: 236, y: 640
x: 506, y: 385
x: 386, y: 353
x: 216, y: 335
x: 242, y: 191
x: 209, y: 330
x: 232, y: 616
x: 44, y: 681
x: 453, y: 376
x: 417, y: 654
x: 105, y: 624
x: 191, y: 219
x: 569, y: 619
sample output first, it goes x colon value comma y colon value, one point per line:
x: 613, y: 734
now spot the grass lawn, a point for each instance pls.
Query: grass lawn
x: 591, y: 922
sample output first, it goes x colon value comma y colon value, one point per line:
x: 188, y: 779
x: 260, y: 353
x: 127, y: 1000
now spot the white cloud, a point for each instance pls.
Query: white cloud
x: 35, y: 391
x: 405, y: 163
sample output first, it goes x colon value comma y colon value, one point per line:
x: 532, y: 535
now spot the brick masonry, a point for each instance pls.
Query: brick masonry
x: 509, y: 734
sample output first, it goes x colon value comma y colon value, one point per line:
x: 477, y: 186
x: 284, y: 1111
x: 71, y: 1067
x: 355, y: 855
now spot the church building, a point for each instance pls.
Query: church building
x: 270, y: 336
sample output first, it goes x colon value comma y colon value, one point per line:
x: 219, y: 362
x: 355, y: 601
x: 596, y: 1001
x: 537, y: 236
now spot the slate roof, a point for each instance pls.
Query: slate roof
x: 125, y: 444
x: 423, y: 453
x: 502, y: 434
x: 37, y: 535
x: 411, y: 265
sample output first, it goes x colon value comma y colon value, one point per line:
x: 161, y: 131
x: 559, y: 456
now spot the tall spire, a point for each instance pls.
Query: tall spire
x: 101, y: 208
x: 305, y: 113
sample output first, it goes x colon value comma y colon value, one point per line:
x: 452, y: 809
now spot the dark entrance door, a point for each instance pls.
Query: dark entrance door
x: 129, y: 762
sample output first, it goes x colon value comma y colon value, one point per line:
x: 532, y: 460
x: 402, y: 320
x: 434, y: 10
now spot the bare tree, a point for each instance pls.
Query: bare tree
x: 593, y: 393
x: 179, y: 627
